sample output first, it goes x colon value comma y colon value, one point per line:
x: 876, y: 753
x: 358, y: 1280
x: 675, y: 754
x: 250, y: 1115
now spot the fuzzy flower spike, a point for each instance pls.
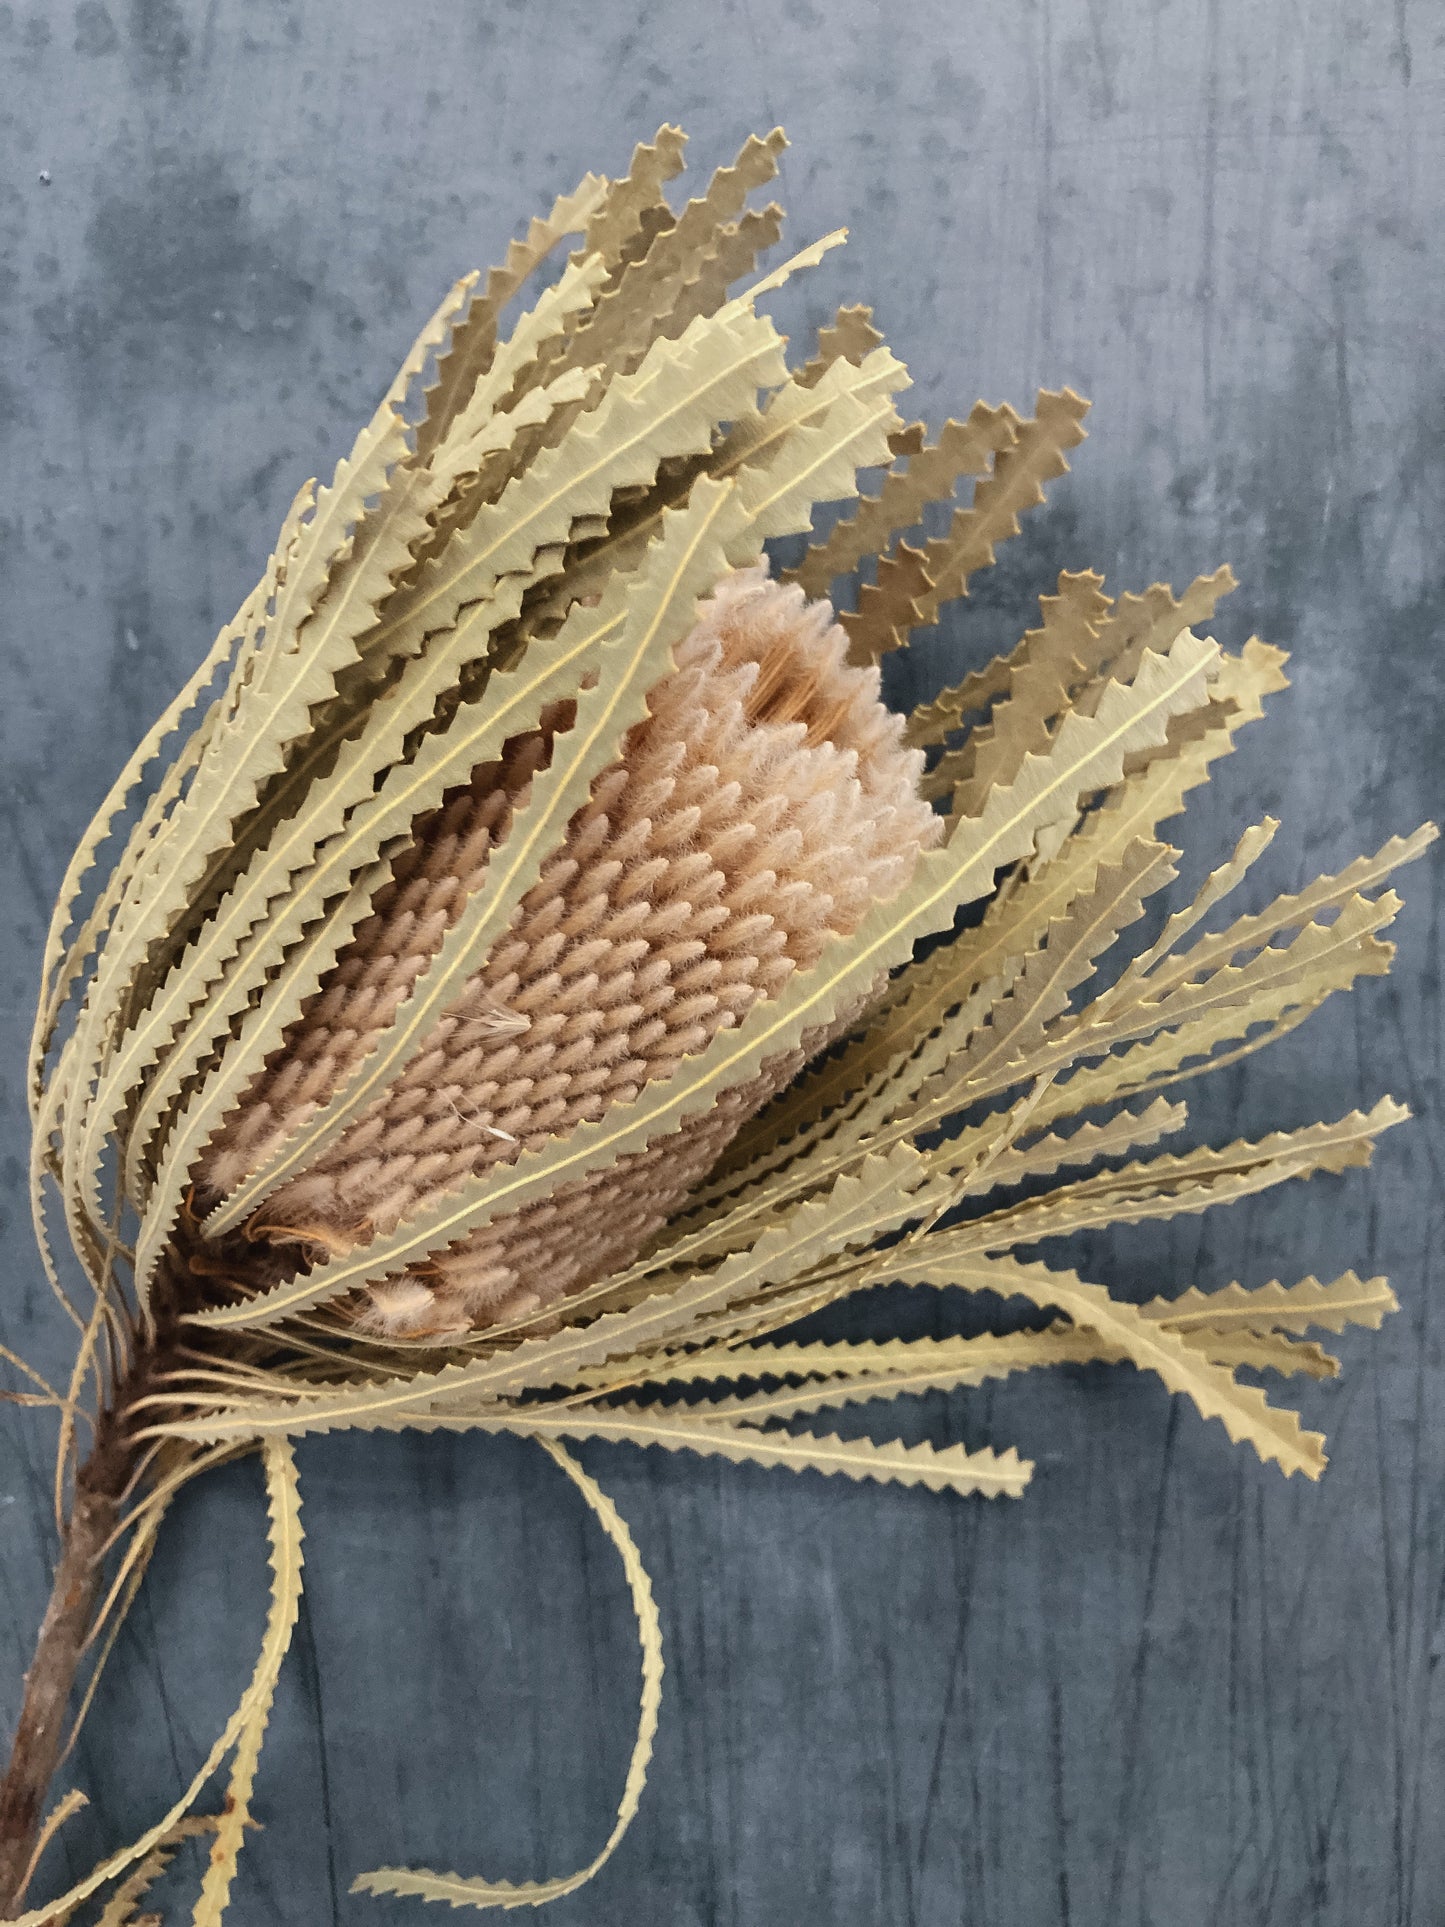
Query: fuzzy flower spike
x: 531, y: 970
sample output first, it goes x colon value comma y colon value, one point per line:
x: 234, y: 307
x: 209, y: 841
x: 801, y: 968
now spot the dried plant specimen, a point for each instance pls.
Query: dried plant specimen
x: 535, y: 970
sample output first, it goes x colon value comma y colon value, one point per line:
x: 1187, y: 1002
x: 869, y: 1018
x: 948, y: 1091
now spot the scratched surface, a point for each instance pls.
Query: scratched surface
x: 1166, y: 1686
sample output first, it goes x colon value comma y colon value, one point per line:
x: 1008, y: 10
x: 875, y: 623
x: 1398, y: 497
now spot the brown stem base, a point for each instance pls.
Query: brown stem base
x: 36, y: 1749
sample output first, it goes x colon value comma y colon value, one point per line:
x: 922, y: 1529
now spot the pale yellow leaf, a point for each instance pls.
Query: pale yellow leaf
x: 962, y: 448
x: 1243, y: 1410
x: 285, y: 1537
x: 1346, y: 1300
x: 913, y: 584
x: 469, y: 1891
x: 849, y: 336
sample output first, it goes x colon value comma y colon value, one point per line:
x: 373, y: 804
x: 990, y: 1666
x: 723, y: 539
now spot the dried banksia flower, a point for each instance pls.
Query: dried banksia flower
x: 766, y: 801
x: 535, y: 970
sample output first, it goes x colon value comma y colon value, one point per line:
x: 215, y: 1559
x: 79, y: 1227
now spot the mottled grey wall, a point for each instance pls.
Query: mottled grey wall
x: 1166, y: 1686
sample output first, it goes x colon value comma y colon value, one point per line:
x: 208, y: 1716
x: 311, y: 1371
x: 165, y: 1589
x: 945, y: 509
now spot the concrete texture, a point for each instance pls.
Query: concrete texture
x: 1166, y: 1687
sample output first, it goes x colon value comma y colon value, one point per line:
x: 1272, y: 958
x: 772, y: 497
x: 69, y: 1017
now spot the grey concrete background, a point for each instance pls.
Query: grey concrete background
x: 1166, y: 1687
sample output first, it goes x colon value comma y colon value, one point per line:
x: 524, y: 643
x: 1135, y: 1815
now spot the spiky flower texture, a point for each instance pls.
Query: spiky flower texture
x: 512, y: 996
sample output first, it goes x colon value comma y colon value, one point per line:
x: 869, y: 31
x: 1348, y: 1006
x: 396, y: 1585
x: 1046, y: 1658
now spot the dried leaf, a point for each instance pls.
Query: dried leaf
x: 629, y: 316
x: 591, y: 204
x: 962, y: 448
x: 285, y: 1504
x: 1268, y: 1352
x: 905, y: 595
x: 1216, y: 886
x: 1051, y: 661
x: 1134, y: 623
x: 1293, y: 912
x: 850, y: 336
x: 1242, y: 1409
x: 285, y: 1548
x: 1309, y: 1305
x: 1123, y: 1132
x: 462, y: 1891
x: 994, y: 1474
x: 271, y: 712
x: 858, y: 1372
x: 1192, y: 1181
x: 1148, y: 621
x: 1225, y: 1004
x: 119, y: 1910
x: 1069, y: 957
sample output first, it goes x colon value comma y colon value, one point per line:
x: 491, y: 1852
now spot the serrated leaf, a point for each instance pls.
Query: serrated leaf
x: 757, y: 439
x: 1243, y: 1410
x: 60, y: 967
x: 615, y: 223
x: 1050, y: 663
x: 285, y: 1552
x: 1140, y: 622
x: 953, y: 1469
x: 58, y: 989
x: 823, y: 451
x: 1069, y: 957
x: 913, y: 584
x: 1309, y: 1305
x: 1268, y: 1352
x: 1291, y: 912
x: 729, y: 258
x: 1190, y: 1049
x: 284, y: 1498
x: 119, y: 1910
x: 682, y: 1428
x: 996, y: 1025
x: 271, y: 712
x: 1045, y: 1155
x: 474, y: 337
x: 1226, y: 1003
x: 849, y: 336
x: 1134, y: 623
x: 963, y: 448
x: 234, y: 639
x: 1190, y: 1181
x: 1216, y: 886
x: 629, y: 316
x: 670, y: 406
x: 288, y: 991
x: 859, y: 1372
x: 463, y: 1891
x: 501, y: 392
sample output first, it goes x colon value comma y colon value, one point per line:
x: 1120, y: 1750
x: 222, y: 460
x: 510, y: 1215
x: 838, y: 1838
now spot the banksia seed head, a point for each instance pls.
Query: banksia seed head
x: 760, y: 808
